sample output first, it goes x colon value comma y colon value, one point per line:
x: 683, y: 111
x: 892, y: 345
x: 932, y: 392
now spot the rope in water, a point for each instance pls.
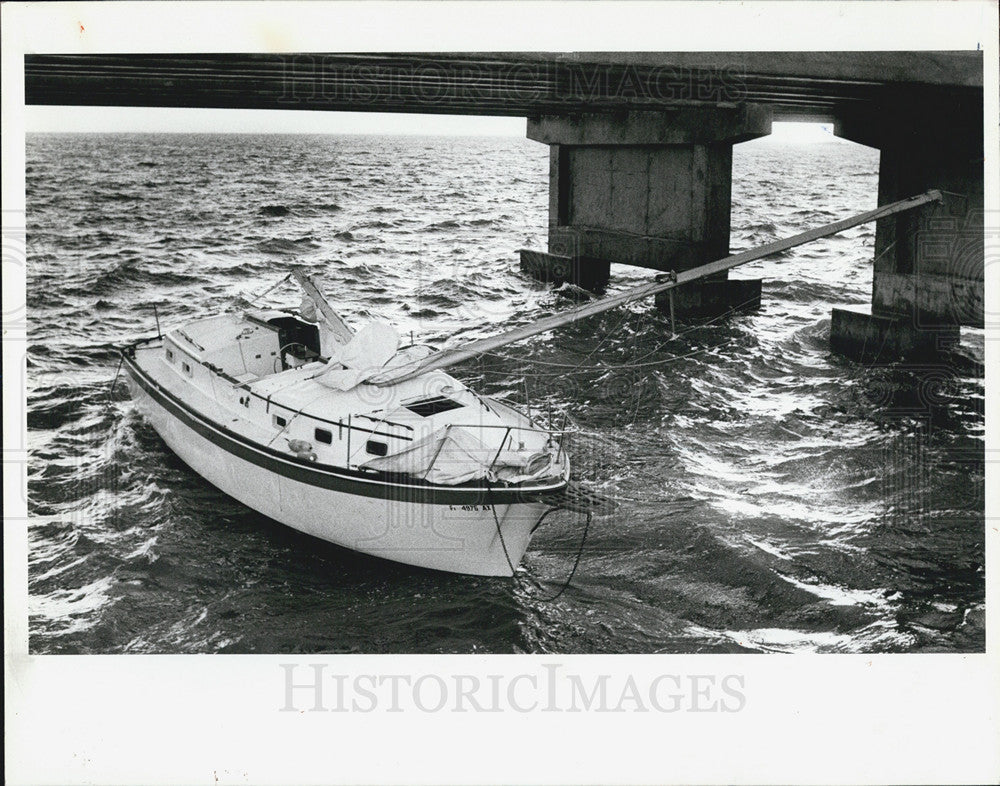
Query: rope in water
x: 111, y: 394
x: 574, y: 367
x: 506, y: 554
x: 571, y: 368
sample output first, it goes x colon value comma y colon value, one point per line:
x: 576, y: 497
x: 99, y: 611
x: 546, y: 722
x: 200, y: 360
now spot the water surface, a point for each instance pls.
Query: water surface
x: 772, y: 496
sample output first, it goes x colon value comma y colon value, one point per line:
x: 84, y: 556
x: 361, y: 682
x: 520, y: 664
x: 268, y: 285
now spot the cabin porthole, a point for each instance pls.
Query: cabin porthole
x: 377, y: 448
x: 324, y: 436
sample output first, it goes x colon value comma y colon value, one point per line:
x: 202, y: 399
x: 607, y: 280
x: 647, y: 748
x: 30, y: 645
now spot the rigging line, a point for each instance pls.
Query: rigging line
x: 693, y: 328
x: 385, y: 416
x: 607, y: 336
x: 111, y: 393
x: 601, y: 343
x: 269, y: 289
x: 701, y: 325
x: 576, y: 562
x: 636, y: 385
x: 496, y: 520
x: 295, y: 414
x: 574, y: 368
x: 604, y: 368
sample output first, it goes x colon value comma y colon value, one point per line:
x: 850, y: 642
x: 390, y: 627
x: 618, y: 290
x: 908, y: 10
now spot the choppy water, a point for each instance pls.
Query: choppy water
x: 772, y: 496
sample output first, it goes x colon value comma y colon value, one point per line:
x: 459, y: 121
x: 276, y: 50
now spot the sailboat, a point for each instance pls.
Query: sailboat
x: 366, y: 442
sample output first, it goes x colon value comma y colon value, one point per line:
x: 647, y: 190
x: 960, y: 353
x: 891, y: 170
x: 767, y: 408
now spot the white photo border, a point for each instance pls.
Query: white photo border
x: 216, y: 718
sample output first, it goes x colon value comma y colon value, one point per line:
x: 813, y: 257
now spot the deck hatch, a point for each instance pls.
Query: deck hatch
x: 433, y: 406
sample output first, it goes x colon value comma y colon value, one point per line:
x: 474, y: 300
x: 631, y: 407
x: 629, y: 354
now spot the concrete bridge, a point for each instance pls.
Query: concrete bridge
x: 641, y: 150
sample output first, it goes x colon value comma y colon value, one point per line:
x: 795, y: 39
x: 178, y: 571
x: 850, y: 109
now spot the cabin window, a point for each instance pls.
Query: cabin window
x: 279, y: 421
x: 170, y: 355
x: 324, y: 436
x: 187, y: 369
x: 377, y: 448
x: 433, y: 406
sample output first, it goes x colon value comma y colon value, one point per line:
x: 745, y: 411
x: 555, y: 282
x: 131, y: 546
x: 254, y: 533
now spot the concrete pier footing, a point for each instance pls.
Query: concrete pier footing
x: 882, y: 338
x: 592, y: 274
x: 929, y: 264
x: 712, y: 298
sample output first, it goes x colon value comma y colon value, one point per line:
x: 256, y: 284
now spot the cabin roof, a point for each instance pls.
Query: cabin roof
x: 212, y: 333
x: 297, y: 389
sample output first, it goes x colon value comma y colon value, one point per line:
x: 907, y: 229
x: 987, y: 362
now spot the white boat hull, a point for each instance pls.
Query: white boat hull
x: 460, y: 536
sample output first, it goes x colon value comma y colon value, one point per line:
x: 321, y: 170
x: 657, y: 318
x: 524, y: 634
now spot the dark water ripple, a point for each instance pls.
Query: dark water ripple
x: 772, y: 497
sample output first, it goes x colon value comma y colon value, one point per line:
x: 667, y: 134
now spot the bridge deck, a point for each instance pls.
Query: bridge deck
x: 805, y: 85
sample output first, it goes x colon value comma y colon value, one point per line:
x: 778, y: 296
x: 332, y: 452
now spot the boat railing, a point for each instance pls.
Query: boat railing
x: 560, y: 434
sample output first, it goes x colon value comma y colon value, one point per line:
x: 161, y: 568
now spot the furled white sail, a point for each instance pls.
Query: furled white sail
x: 367, y: 352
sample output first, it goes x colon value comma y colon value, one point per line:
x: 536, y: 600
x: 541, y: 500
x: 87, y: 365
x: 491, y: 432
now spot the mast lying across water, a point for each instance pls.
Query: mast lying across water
x: 455, y: 355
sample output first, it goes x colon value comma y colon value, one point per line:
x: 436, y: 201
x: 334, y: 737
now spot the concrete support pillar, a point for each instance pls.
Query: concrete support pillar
x: 651, y: 189
x: 928, y: 267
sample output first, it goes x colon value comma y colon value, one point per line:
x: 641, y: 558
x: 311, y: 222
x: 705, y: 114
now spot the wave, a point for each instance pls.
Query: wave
x: 442, y: 226
x: 129, y: 273
x: 119, y: 196
x: 281, y: 245
x: 55, y: 406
